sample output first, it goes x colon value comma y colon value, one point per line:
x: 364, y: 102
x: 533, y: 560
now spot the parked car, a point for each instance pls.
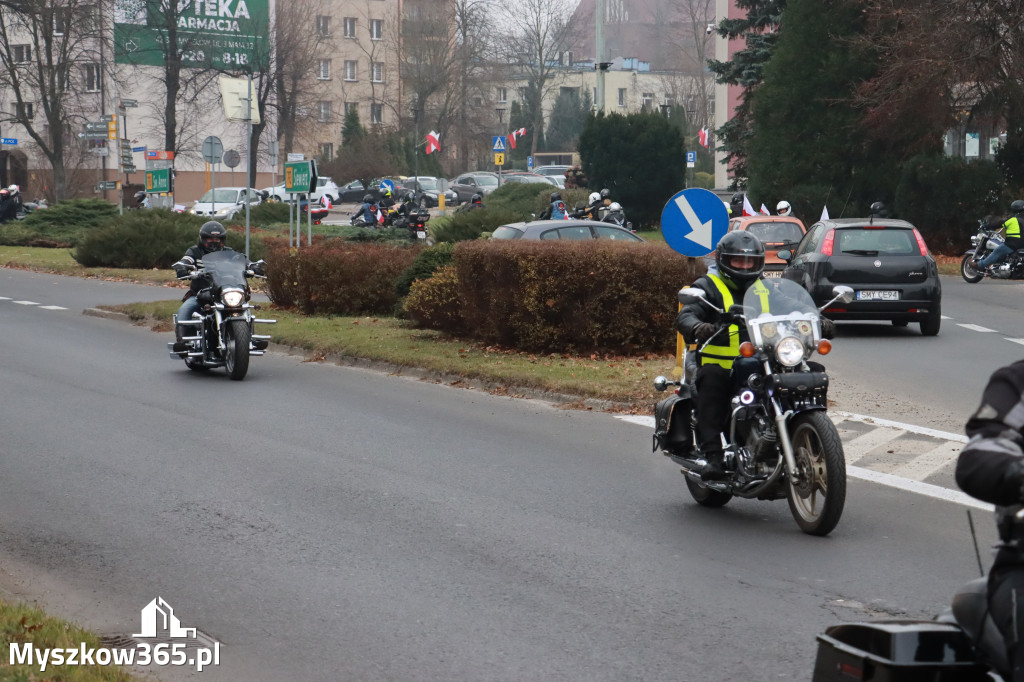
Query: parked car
x: 530, y: 177
x: 468, y: 184
x: 885, y: 261
x: 324, y: 185
x: 564, y: 229
x: 223, y: 203
x: 552, y: 170
x: 775, y: 232
x: 428, y: 189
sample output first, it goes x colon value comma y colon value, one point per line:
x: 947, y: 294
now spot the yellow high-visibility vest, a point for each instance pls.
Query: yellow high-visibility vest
x: 725, y: 354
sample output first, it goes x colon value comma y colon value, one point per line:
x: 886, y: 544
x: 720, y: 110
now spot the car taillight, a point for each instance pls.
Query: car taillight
x: 920, y: 243
x: 826, y: 246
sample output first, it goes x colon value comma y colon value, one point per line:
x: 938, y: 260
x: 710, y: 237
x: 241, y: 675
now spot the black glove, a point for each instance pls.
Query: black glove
x: 731, y: 318
x: 828, y: 328
x: 702, y: 331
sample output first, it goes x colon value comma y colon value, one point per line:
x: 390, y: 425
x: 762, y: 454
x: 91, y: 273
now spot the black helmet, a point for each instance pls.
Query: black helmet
x: 140, y: 195
x: 368, y: 199
x: 877, y: 208
x: 1017, y: 206
x: 477, y: 198
x: 410, y: 195
x: 212, y: 236
x: 740, y: 245
x: 556, y: 196
x: 605, y: 193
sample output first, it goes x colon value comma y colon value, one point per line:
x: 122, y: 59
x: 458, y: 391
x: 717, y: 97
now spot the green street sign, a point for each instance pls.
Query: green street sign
x: 300, y: 177
x: 158, y: 181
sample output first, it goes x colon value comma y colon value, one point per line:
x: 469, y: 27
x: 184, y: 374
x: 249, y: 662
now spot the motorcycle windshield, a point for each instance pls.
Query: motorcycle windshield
x: 226, y: 268
x: 775, y: 308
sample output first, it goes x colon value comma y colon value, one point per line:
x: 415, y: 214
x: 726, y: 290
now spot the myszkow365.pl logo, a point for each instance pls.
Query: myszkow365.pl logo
x: 158, y: 622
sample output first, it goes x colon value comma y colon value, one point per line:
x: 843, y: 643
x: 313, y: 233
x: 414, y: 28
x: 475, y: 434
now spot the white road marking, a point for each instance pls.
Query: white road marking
x: 4, y: 298
x: 927, y: 489
x: 923, y: 466
x: 1020, y: 341
x: 26, y: 303
x: 52, y: 307
x: 866, y: 442
x: 975, y: 327
x: 922, y: 430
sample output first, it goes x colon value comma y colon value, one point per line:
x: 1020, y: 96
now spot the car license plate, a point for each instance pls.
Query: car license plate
x: 772, y: 273
x: 878, y: 295
x: 421, y: 234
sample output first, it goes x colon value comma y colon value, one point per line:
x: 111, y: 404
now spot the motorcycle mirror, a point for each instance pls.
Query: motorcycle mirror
x: 784, y: 254
x: 689, y: 295
x: 843, y: 293
x: 660, y: 383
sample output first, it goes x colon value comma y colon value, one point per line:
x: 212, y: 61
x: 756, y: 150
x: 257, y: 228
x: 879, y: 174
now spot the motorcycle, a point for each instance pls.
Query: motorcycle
x: 616, y: 216
x: 984, y: 243
x: 781, y: 442
x: 416, y: 223
x: 223, y: 329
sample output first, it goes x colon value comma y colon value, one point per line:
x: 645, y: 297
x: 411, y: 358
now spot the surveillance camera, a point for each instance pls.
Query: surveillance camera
x: 711, y: 29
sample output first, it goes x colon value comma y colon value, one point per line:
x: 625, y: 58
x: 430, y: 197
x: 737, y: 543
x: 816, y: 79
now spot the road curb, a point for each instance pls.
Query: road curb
x: 106, y: 314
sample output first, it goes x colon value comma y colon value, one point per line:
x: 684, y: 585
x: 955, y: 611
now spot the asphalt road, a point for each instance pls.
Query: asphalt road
x: 327, y: 523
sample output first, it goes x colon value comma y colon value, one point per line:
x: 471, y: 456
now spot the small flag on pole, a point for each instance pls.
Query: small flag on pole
x: 433, y: 142
x: 764, y: 210
x: 512, y: 141
x: 824, y: 213
x: 747, y: 208
x: 702, y: 137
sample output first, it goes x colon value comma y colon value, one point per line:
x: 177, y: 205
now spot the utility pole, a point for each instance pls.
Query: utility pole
x: 501, y: 132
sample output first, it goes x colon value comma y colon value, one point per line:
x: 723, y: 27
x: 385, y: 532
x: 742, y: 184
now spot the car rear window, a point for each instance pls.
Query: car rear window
x: 875, y: 241
x: 507, y: 232
x: 775, y: 232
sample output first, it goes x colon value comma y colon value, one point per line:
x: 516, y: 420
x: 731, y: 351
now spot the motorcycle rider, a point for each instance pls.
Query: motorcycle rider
x: 476, y: 201
x: 590, y: 211
x: 1011, y: 231
x: 991, y: 468
x: 405, y: 209
x: 8, y: 207
x: 739, y: 261
x: 783, y: 208
x: 556, y: 210
x: 365, y: 216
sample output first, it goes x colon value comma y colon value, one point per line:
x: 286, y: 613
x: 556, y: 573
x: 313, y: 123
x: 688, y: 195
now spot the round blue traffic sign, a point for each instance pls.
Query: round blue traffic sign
x: 387, y: 184
x: 693, y: 221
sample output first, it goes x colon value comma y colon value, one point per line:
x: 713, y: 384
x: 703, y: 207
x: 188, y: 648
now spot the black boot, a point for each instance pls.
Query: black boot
x: 714, y: 470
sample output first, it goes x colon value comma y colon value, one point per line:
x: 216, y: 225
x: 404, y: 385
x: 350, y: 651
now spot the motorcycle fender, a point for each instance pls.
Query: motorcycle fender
x: 970, y: 252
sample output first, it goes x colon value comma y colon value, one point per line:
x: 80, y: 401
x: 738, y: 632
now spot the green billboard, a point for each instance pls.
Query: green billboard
x: 229, y: 35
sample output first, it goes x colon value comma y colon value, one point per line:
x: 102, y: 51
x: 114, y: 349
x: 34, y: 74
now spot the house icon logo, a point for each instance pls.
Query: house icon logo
x: 158, y: 616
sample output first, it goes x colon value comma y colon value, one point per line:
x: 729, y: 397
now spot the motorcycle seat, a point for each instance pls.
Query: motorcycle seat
x: 970, y: 609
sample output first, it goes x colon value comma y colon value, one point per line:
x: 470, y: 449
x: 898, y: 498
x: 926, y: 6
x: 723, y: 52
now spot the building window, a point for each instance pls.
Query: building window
x: 22, y: 53
x: 323, y: 25
x: 378, y: 72
x: 350, y: 69
x: 352, y: 108
x: 376, y: 29
x: 323, y: 111
x: 326, y: 151
x: 23, y: 111
x: 648, y: 100
x: 324, y: 70
x: 350, y: 27
x: 376, y: 113
x: 622, y: 97
x: 502, y: 95
x: 61, y: 21
x: 92, y: 77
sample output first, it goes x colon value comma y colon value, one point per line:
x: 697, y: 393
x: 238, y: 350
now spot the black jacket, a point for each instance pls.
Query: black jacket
x: 192, y: 259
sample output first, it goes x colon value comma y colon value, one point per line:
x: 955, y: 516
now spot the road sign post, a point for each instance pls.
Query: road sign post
x: 213, y: 150
x: 158, y: 181
x: 300, y: 178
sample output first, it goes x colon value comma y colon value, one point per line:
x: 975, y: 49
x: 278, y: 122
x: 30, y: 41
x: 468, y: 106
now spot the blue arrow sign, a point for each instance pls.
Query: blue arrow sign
x: 387, y: 184
x: 498, y: 143
x: 693, y: 221
x: 8, y: 140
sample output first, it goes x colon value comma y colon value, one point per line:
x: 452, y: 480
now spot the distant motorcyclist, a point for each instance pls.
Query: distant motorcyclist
x: 8, y: 206
x: 739, y: 260
x: 783, y: 208
x: 366, y: 216
x: 1011, y: 231
x: 617, y: 216
x: 476, y: 201
x: 991, y: 468
x: 878, y: 210
x: 737, y: 203
x: 15, y: 192
x: 592, y: 210
x: 556, y: 210
x: 387, y: 199
x: 141, y: 200
x: 405, y: 209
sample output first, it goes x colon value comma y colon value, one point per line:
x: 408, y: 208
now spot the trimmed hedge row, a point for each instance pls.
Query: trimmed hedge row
x: 558, y: 296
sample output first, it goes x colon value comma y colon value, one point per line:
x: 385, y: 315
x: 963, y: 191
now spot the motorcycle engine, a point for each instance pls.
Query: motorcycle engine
x: 762, y: 438
x: 1002, y: 271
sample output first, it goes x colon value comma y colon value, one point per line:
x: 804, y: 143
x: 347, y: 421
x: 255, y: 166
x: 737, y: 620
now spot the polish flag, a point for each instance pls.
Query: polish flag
x: 747, y: 208
x: 433, y: 142
x: 702, y: 137
x: 380, y: 216
x: 512, y: 141
x: 764, y: 210
x: 824, y: 213
x: 521, y: 131
x: 325, y: 201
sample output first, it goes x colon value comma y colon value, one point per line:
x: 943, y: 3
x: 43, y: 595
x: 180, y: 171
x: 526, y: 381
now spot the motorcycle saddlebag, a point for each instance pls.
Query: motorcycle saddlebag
x: 672, y: 430
x: 896, y: 651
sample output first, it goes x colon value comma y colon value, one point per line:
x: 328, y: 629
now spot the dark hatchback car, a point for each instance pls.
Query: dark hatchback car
x: 564, y: 229
x: 885, y: 261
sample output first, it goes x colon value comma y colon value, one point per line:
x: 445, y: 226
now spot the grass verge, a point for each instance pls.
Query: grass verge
x: 59, y: 261
x: 627, y: 381
x: 23, y: 624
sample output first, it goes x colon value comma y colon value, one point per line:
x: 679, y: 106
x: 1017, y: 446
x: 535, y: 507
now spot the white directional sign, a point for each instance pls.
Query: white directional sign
x: 498, y: 143
x: 693, y: 221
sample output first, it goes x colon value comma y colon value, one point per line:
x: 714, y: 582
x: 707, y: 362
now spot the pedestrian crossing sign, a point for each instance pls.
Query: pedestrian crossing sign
x: 498, y: 144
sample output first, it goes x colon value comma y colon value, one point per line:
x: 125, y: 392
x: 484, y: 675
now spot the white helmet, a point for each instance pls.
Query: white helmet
x: 783, y: 208
x: 594, y: 196
x: 615, y: 206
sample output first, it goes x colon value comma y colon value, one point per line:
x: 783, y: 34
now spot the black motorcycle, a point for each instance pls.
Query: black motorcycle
x: 984, y: 243
x: 416, y: 223
x: 223, y: 329
x: 781, y: 442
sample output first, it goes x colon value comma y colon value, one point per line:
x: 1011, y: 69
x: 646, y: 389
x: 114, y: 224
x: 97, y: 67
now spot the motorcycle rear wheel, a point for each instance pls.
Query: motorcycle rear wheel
x: 818, y: 493
x: 969, y: 272
x: 706, y: 497
x: 236, y: 348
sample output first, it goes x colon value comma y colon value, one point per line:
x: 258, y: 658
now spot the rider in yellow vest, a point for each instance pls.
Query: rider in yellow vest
x: 1011, y: 229
x: 739, y: 258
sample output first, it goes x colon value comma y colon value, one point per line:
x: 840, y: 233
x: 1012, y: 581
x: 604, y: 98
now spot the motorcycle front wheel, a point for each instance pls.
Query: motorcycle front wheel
x: 818, y: 492
x: 969, y: 272
x: 236, y: 348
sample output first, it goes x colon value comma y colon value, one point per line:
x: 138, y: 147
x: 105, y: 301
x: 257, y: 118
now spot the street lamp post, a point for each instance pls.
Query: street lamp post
x: 416, y: 139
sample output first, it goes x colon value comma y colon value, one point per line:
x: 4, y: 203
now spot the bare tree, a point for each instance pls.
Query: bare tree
x: 298, y: 47
x: 681, y: 27
x: 537, y: 32
x: 44, y: 47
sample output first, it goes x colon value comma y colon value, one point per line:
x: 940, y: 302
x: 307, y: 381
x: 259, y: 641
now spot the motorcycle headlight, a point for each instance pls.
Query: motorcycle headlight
x: 233, y: 299
x: 790, y: 351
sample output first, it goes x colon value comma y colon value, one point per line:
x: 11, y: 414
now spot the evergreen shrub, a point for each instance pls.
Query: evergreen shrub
x: 434, y: 302
x: 61, y: 225
x: 427, y: 262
